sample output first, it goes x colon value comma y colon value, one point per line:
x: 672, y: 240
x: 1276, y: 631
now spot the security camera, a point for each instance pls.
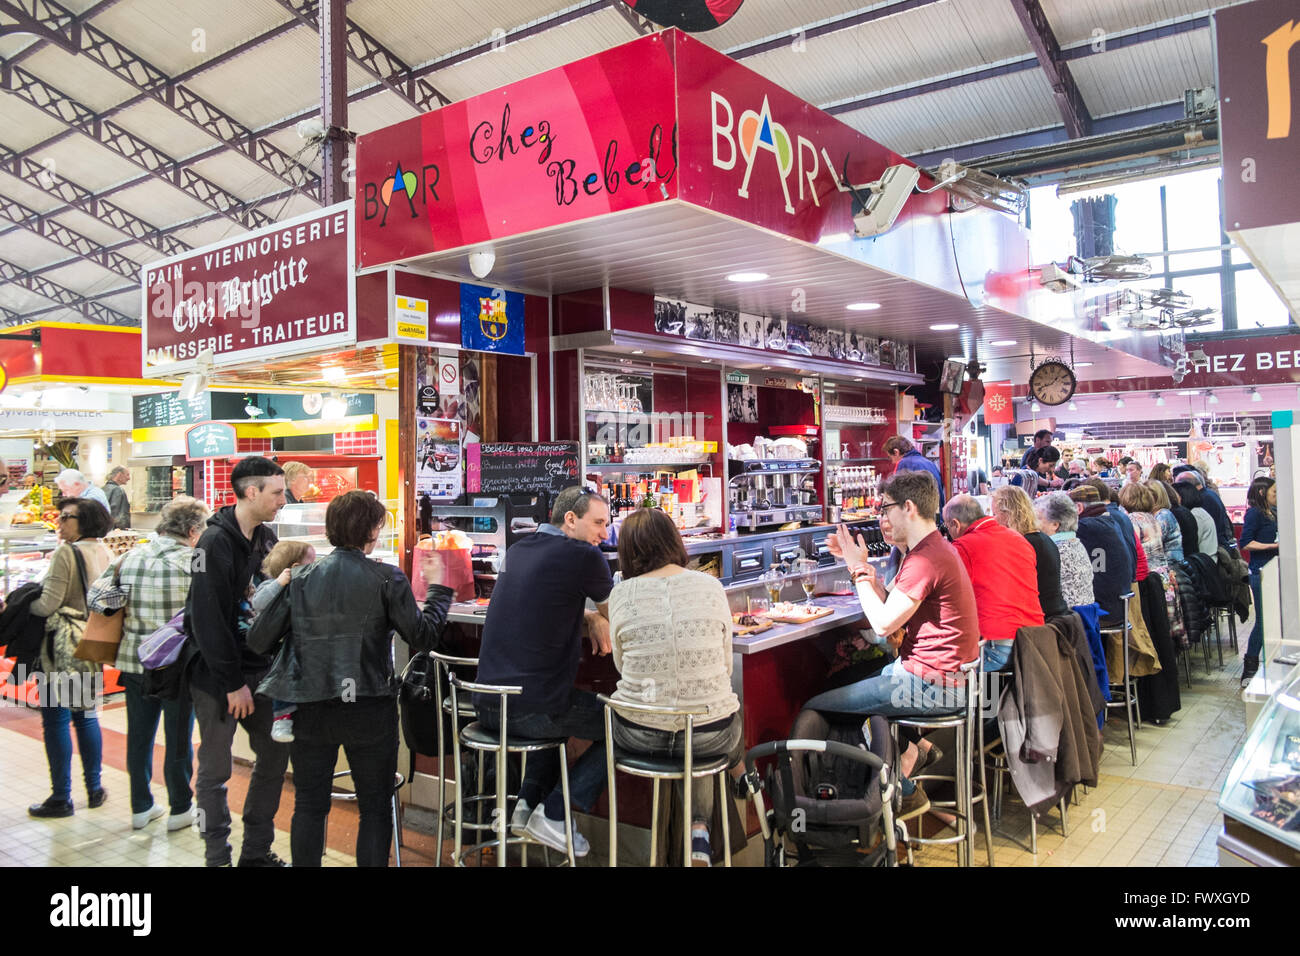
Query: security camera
x: 481, y: 263
x: 311, y: 129
x: 1057, y: 279
x: 875, y: 212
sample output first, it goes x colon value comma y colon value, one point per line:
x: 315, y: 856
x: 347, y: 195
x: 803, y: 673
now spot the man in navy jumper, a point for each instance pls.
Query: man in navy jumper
x: 532, y: 638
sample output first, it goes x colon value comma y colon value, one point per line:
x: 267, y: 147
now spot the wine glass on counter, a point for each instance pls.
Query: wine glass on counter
x: 773, y: 581
x: 806, y: 568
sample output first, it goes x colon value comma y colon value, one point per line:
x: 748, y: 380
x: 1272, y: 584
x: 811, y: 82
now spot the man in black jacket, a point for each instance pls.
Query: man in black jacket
x: 230, y: 551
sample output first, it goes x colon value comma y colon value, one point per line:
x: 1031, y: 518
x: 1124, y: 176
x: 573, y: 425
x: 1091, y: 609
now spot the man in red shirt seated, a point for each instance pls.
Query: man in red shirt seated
x: 931, y: 598
x: 1003, y: 572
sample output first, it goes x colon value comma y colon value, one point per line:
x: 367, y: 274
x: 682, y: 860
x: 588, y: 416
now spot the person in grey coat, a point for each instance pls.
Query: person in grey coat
x: 119, y: 506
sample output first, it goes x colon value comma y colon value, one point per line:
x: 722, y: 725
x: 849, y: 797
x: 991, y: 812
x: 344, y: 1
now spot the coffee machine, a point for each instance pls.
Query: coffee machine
x: 770, y: 492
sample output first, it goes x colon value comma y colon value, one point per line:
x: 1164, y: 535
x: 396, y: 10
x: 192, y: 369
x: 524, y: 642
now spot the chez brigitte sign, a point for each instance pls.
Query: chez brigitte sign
x: 283, y: 290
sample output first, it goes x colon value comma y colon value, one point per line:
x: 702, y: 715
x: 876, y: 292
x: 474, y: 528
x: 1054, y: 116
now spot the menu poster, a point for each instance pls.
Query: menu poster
x: 164, y: 409
x: 438, y: 471
x: 502, y: 468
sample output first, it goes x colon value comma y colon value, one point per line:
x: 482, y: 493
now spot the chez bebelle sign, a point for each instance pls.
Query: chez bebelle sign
x: 283, y: 290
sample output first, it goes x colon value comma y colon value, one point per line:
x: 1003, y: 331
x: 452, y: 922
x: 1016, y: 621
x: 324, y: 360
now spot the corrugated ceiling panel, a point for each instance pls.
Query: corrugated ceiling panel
x: 23, y: 125
x: 1138, y: 76
x: 89, y: 164
x: 79, y: 77
x: 1074, y: 21
x: 238, y: 175
x: 85, y: 277
x: 158, y: 125
x: 159, y: 203
x: 591, y: 34
x: 18, y: 299
x: 772, y: 18
x: 30, y: 195
x: 277, y: 79
x: 975, y: 111
x: 93, y: 229
x: 29, y: 251
x: 163, y: 31
x: 419, y: 33
x: 207, y: 232
x: 377, y: 111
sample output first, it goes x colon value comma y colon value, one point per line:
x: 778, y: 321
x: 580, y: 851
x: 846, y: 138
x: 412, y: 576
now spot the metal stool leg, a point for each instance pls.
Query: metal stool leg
x: 500, y: 822
x: 397, y: 829
x: 984, y: 795
x: 1065, y: 820
x: 1033, y: 833
x: 1218, y: 642
x: 963, y: 807
x: 1232, y: 630
x: 654, y: 820
x: 613, y: 790
x: 523, y: 770
x: 568, y: 813
x: 724, y: 798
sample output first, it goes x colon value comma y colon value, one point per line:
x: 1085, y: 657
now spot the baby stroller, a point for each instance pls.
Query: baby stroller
x: 832, y: 794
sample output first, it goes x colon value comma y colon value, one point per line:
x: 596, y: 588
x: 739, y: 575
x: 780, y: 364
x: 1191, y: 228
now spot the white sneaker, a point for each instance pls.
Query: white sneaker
x: 550, y: 833
x: 180, y: 821
x: 519, y: 819
x: 141, y: 820
x: 282, y: 730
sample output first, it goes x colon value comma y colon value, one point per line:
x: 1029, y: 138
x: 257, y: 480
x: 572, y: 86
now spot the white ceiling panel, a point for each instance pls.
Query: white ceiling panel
x: 29, y: 251
x: 30, y: 195
x: 1137, y: 76
x: 84, y: 276
x: 23, y: 125
x: 1077, y: 21
x: 79, y: 78
x: 92, y: 228
x: 159, y: 203
x: 175, y: 35
x: 88, y: 164
x: 168, y: 131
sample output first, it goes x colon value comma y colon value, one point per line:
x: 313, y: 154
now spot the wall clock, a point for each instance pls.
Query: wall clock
x: 1053, y: 382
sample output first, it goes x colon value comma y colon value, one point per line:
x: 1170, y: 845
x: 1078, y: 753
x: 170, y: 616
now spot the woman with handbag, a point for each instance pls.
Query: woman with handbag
x: 150, y: 584
x: 70, y: 692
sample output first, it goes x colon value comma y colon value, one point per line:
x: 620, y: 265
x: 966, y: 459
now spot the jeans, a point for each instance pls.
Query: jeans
x: 367, y: 731
x: 58, y: 748
x: 1255, y: 643
x: 585, y: 719
x: 142, y: 715
x: 894, y: 692
x: 216, y: 735
x: 996, y: 656
x: 668, y: 743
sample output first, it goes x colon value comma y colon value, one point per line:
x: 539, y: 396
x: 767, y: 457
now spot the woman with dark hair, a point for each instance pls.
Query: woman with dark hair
x: 336, y: 620
x: 70, y: 692
x: 1207, y: 536
x: 1259, y: 541
x: 1187, y: 525
x: 1158, y: 694
x: 671, y: 634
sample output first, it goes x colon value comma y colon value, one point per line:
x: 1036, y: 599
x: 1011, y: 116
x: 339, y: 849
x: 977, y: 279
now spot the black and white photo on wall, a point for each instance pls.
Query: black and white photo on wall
x: 902, y: 357
x: 870, y: 350
x: 835, y: 343
x: 775, y: 335
x: 886, y: 353
x: 819, y: 341
x: 742, y: 404
x: 726, y: 326
x: 699, y: 323
x: 797, y: 338
x: 751, y: 330
x: 670, y: 316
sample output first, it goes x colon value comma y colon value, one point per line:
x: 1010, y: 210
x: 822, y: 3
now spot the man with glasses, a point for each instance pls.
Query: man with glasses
x: 532, y: 638
x: 931, y: 597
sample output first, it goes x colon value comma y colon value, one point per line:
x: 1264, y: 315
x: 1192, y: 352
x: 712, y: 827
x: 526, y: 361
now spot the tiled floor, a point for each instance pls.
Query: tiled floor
x: 1160, y: 813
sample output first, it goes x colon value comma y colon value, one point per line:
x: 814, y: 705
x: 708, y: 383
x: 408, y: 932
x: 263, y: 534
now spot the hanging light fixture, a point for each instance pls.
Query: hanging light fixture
x: 1255, y: 396
x: 1160, y: 399
x: 1213, y: 399
x: 1034, y: 407
x: 1119, y: 401
x: 1073, y: 406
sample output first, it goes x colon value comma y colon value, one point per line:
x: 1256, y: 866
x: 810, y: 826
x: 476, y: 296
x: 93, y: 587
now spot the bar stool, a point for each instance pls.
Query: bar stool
x: 967, y: 725
x: 442, y: 665
x: 349, y: 796
x: 1128, y: 685
x: 685, y: 768
x: 478, y: 738
x: 1217, y: 614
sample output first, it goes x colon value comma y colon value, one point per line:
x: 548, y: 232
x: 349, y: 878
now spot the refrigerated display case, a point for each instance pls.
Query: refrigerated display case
x: 305, y: 521
x: 1261, y: 797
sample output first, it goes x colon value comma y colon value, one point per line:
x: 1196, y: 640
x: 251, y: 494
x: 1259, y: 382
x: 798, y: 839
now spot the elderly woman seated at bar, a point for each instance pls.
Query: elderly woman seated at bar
x: 1058, y: 518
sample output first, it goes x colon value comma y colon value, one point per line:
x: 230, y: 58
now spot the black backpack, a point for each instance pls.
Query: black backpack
x: 21, y: 631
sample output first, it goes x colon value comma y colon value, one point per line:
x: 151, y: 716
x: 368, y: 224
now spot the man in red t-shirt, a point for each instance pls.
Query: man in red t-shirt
x: 931, y: 598
x: 1003, y: 571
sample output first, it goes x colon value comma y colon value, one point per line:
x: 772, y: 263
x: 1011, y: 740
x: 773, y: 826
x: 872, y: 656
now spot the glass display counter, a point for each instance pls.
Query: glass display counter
x: 306, y: 522
x: 1261, y: 797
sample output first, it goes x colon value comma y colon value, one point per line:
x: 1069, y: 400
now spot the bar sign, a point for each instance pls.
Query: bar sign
x: 412, y: 318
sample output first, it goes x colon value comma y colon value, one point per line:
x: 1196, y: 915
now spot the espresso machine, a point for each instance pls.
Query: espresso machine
x: 769, y: 492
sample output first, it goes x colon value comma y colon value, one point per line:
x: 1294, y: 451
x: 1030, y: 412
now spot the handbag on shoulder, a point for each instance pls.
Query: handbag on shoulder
x: 104, y: 622
x: 64, y: 629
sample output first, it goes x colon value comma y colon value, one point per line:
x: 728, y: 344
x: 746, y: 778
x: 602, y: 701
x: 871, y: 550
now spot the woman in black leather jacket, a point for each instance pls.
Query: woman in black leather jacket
x: 336, y: 620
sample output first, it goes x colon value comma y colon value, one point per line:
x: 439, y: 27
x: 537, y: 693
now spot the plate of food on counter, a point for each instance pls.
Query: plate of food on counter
x: 749, y: 624
x: 786, y: 612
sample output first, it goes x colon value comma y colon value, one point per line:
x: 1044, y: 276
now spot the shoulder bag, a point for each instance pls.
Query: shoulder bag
x: 64, y: 628
x: 103, y: 630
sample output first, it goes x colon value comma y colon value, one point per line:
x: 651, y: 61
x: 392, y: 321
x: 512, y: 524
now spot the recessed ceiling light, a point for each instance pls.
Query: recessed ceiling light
x: 1214, y: 399
x: 1160, y: 399
x: 1119, y: 401
x: 747, y: 277
x: 1190, y: 391
x: 1073, y: 406
x: 638, y: 351
x: 862, y: 306
x: 707, y: 361
x: 857, y: 380
x: 1255, y: 396
x: 1001, y: 342
x: 1122, y: 377
x: 1082, y: 364
x: 944, y: 327
x: 766, y: 368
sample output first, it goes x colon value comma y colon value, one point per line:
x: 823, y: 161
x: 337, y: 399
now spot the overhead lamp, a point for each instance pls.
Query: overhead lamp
x: 1001, y: 342
x: 481, y: 263
x: 973, y: 187
x: 1213, y: 399
x: 333, y: 373
x: 862, y: 306
x: 766, y: 368
x: 747, y: 277
x: 1035, y: 407
x: 1160, y: 399
x: 1073, y: 406
x: 1083, y: 365
x: 944, y: 327
x: 1119, y: 401
x: 1255, y: 396
x: 1119, y: 268
x: 638, y: 351
x: 876, y: 205
x: 198, y: 380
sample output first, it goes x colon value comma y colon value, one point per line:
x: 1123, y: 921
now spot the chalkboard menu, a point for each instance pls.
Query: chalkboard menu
x: 499, y: 468
x: 166, y: 409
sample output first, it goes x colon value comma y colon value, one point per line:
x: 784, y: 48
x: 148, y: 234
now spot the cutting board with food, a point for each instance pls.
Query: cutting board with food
x: 745, y: 624
x: 787, y: 613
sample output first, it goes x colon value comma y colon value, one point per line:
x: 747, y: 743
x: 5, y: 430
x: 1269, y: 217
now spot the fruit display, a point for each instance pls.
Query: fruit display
x: 38, y: 508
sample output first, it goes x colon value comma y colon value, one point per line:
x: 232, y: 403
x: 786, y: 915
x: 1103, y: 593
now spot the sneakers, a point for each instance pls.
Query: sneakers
x: 914, y: 804
x: 519, y: 819
x: 141, y: 820
x: 51, y: 808
x: 98, y: 797
x: 269, y: 860
x: 180, y: 821
x: 282, y: 729
x: 1249, y: 668
x: 701, y: 852
x: 550, y: 833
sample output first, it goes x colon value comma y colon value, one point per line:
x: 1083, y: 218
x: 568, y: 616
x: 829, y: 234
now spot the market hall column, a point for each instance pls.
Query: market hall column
x: 407, y: 390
